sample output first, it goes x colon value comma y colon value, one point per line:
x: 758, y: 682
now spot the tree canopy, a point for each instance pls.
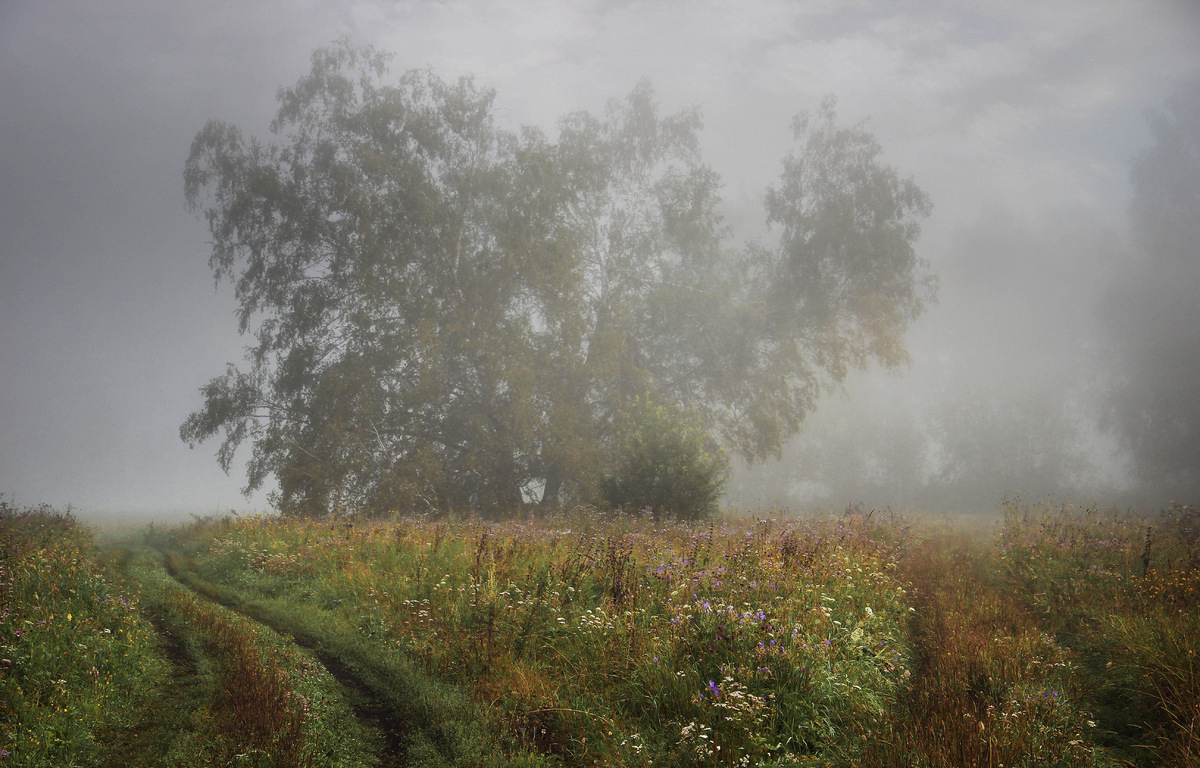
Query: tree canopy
x: 449, y: 314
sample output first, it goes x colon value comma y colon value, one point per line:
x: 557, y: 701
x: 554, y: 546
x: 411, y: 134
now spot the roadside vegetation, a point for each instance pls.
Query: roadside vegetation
x: 1054, y: 636
x: 78, y: 655
x: 114, y: 663
x: 1123, y: 593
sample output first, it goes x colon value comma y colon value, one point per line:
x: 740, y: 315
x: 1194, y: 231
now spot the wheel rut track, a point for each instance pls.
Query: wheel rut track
x: 369, y: 706
x: 366, y: 704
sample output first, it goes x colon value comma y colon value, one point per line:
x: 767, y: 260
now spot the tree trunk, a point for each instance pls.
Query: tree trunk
x: 554, y: 481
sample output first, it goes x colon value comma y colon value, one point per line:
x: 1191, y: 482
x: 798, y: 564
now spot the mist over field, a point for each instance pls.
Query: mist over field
x: 1058, y: 145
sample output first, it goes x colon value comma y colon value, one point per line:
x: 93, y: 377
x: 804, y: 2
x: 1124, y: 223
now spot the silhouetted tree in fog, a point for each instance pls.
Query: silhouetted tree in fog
x: 449, y: 314
x: 1005, y: 438
x: 1153, y: 313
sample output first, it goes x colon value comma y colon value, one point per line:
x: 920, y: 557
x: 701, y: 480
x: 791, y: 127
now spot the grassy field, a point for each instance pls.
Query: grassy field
x: 1040, y: 636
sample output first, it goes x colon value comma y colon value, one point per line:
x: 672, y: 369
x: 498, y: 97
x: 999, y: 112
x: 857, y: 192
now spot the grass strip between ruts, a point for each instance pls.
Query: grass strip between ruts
x: 237, y: 673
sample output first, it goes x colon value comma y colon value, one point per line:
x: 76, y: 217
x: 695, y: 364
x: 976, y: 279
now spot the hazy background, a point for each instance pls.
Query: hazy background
x: 1020, y: 119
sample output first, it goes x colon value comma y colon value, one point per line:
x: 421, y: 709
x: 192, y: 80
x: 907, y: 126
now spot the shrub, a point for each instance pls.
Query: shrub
x: 667, y: 463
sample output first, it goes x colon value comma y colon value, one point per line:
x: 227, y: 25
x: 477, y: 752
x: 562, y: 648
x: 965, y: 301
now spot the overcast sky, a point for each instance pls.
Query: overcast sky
x: 1019, y: 119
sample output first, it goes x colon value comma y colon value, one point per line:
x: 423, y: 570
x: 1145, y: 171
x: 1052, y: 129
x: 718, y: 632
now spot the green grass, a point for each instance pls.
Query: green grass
x: 89, y: 677
x: 629, y: 642
x: 619, y: 641
x: 78, y: 657
x: 259, y: 700
x: 1054, y: 637
x: 993, y: 688
x: 1123, y: 591
x: 440, y: 726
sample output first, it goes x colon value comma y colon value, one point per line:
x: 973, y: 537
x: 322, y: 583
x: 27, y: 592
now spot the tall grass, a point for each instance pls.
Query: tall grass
x: 77, y: 660
x: 991, y: 686
x: 625, y: 641
x: 1123, y: 590
x: 1065, y: 637
x: 621, y: 640
x: 86, y: 678
x: 268, y: 703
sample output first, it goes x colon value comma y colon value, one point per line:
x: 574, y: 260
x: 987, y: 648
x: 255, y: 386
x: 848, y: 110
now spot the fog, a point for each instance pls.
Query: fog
x: 1059, y: 144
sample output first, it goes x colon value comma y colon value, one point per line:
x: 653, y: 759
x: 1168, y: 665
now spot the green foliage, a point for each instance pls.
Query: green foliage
x: 668, y: 463
x: 449, y: 315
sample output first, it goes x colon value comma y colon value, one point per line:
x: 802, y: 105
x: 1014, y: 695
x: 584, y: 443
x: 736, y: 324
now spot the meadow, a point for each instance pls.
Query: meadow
x: 1039, y: 636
